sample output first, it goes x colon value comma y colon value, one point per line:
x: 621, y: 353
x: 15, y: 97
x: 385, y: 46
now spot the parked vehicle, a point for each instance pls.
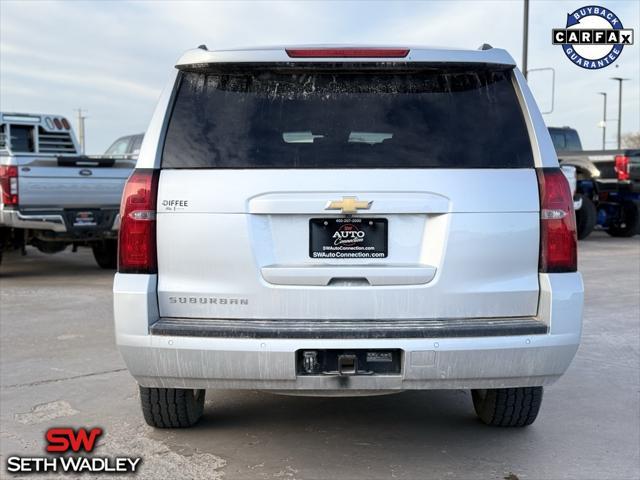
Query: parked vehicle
x: 127, y: 146
x: 344, y: 221
x: 52, y: 196
x: 608, y: 185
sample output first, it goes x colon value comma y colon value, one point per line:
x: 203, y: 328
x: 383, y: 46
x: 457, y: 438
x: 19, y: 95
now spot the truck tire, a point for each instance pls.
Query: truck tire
x: 586, y: 217
x: 507, y: 407
x: 630, y: 224
x: 171, y: 407
x: 106, y: 254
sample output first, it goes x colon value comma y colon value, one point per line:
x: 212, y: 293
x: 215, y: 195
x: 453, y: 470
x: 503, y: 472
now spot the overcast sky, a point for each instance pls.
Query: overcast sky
x: 113, y: 58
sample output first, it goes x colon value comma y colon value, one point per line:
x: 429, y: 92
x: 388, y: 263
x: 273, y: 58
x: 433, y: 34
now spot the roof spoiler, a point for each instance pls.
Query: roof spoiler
x: 486, y: 54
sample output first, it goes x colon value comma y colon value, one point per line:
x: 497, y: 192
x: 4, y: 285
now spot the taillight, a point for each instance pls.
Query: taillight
x: 347, y: 52
x: 622, y: 167
x: 9, y: 184
x: 558, y: 239
x: 137, y: 244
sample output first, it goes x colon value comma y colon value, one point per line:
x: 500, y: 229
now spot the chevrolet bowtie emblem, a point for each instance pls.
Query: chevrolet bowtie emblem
x: 348, y: 205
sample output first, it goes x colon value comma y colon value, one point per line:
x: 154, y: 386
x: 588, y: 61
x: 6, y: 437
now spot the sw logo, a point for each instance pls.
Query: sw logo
x: 63, y: 440
x: 593, y: 37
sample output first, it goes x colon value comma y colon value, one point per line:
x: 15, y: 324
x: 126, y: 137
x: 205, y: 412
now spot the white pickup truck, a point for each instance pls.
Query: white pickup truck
x: 52, y: 196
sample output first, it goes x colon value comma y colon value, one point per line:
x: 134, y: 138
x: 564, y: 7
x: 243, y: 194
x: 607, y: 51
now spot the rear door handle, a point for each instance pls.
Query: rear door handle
x: 322, y: 275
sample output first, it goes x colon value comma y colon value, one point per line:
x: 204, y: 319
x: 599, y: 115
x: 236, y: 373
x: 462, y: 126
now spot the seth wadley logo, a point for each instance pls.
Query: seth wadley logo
x: 68, y: 443
x: 593, y: 37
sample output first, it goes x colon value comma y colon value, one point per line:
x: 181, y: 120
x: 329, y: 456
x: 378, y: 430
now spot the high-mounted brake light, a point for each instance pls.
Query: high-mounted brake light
x: 137, y: 245
x: 622, y: 167
x: 347, y: 52
x: 9, y: 184
x: 558, y: 238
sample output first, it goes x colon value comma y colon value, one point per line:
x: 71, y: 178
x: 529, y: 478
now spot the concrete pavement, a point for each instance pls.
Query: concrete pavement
x: 59, y: 367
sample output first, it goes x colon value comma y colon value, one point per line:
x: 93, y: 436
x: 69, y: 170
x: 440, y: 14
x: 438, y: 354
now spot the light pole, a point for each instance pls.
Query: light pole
x: 81, y: 119
x: 619, y: 80
x: 604, y: 120
x: 525, y: 38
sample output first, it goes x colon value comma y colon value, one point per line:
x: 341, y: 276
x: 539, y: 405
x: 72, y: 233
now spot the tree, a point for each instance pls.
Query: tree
x: 631, y: 140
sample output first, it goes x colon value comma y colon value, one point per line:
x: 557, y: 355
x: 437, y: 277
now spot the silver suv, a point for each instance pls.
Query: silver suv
x: 322, y: 221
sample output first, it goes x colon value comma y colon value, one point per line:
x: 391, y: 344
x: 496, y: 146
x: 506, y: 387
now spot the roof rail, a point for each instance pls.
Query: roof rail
x: 485, y: 46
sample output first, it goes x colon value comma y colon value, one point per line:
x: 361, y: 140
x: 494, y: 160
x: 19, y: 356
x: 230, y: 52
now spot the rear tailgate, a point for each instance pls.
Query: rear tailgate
x: 240, y: 249
x: 252, y: 163
x: 45, y: 182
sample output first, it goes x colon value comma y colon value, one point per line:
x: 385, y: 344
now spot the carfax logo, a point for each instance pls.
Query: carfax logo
x: 593, y: 37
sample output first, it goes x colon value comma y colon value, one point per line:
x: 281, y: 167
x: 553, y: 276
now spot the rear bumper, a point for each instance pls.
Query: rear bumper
x: 612, y: 185
x: 55, y: 221
x: 189, y: 362
x: 174, y: 360
x: 41, y: 221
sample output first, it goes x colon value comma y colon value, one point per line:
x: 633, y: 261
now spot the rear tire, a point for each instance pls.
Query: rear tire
x: 630, y: 224
x: 171, y: 407
x: 106, y: 254
x: 586, y: 218
x: 508, y: 407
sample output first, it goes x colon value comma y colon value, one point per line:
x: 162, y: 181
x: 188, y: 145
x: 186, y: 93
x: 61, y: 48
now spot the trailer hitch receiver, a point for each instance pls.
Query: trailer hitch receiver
x: 347, y: 364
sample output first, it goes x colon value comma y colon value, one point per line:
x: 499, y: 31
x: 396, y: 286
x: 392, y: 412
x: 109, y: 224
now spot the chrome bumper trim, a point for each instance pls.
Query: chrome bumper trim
x: 15, y: 219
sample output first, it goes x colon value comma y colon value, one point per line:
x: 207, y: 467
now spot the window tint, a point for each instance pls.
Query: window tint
x: 276, y: 119
x: 22, y: 138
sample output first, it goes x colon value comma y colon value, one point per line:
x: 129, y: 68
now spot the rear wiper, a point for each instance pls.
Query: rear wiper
x: 370, y: 138
x: 300, y: 137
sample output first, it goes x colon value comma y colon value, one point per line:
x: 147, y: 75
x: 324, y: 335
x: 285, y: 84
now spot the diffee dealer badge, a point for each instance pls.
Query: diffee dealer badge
x: 593, y: 37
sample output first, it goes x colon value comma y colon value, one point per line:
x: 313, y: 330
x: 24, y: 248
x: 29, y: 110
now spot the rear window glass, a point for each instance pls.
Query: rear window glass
x: 136, y: 143
x: 119, y: 147
x: 3, y: 138
x: 22, y: 138
x: 298, y: 119
x: 565, y: 139
x: 573, y: 141
x: 557, y: 137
